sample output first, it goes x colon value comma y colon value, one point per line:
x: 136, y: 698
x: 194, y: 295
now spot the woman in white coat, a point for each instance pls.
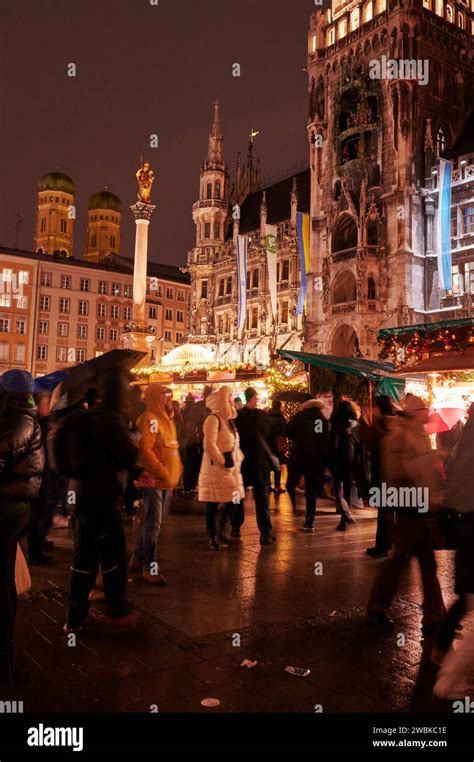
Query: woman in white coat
x: 220, y: 480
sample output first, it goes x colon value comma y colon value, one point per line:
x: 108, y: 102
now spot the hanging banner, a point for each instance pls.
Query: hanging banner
x: 242, y: 276
x: 303, y: 239
x: 271, y: 247
x: 443, y: 242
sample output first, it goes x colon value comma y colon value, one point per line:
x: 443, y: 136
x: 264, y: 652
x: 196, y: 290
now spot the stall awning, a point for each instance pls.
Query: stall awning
x: 371, y: 370
x: 442, y: 362
x: 402, y: 330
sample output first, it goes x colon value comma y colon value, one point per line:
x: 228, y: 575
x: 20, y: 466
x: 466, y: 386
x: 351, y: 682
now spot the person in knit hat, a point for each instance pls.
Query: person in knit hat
x: 21, y: 467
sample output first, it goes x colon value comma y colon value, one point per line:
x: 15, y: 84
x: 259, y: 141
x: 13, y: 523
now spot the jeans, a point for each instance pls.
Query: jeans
x: 99, y: 540
x: 10, y: 532
x: 343, y: 506
x: 295, y: 473
x: 156, y: 503
x: 411, y: 538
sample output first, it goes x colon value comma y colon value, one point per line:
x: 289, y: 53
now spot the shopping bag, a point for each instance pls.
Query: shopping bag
x: 22, y: 573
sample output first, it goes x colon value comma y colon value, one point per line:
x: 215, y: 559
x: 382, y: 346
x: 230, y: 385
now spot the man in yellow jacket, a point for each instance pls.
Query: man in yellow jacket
x: 159, y: 457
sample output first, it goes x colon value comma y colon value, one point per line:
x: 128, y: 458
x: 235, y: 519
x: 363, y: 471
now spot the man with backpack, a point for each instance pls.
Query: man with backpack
x: 308, y: 432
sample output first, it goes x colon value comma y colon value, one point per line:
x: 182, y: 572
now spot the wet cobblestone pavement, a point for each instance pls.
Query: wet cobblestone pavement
x: 183, y: 649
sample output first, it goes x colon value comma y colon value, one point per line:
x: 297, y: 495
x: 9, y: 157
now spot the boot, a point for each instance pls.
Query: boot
x: 6, y: 665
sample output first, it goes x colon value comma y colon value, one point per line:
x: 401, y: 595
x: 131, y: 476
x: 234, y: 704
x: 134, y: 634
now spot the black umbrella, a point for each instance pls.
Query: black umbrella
x: 290, y: 395
x: 83, y: 376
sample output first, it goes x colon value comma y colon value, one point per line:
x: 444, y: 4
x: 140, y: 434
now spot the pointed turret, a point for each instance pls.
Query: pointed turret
x: 215, y: 159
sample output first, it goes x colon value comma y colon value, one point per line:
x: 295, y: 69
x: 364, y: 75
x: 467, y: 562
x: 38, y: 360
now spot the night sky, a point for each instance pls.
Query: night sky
x: 144, y: 69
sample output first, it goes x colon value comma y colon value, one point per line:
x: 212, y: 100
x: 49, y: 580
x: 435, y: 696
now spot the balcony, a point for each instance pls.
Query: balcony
x: 363, y: 251
x: 344, y: 308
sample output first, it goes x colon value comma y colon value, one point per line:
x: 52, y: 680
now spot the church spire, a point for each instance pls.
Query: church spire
x: 215, y: 159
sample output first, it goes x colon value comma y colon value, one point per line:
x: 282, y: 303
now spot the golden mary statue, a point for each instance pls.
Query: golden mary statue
x: 145, y: 179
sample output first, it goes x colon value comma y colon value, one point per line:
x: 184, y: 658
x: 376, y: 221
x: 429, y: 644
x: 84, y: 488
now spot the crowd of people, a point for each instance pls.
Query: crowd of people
x: 88, y: 463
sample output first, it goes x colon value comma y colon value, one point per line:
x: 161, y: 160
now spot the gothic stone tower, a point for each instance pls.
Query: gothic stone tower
x: 372, y: 140
x: 211, y: 216
x: 56, y: 215
x: 103, y: 227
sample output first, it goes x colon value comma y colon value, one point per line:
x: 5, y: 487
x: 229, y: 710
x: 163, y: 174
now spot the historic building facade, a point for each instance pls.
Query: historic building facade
x: 57, y: 310
x: 220, y: 215
x: 391, y: 84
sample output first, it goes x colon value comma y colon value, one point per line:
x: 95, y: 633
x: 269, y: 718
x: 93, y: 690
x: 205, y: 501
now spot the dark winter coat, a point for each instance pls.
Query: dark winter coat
x: 308, y: 431
x: 21, y: 452
x: 254, y: 430
x: 346, y: 455
x: 110, y: 453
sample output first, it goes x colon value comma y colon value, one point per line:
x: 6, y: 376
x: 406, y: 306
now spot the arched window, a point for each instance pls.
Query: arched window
x: 345, y: 288
x: 43, y: 223
x: 371, y: 288
x: 330, y: 36
x: 367, y: 12
x: 427, y: 4
x: 439, y: 7
x: 342, y: 29
x: 380, y: 6
x: 94, y: 240
x: 63, y: 226
x: 450, y: 13
x: 440, y: 142
x: 345, y: 234
x: 355, y: 19
x: 461, y: 20
x: 112, y: 241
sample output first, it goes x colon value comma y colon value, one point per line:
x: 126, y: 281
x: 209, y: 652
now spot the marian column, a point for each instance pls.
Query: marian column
x: 138, y: 334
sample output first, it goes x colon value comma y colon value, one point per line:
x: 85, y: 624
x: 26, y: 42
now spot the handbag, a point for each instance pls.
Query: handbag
x: 22, y: 573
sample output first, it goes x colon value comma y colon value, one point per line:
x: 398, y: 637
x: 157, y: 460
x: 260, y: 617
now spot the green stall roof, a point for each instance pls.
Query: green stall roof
x: 400, y: 330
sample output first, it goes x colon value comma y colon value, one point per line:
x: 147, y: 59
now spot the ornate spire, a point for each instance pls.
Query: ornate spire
x: 215, y: 159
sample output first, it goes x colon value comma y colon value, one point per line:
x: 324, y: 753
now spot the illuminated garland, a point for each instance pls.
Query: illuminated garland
x: 418, y: 343
x: 192, y: 369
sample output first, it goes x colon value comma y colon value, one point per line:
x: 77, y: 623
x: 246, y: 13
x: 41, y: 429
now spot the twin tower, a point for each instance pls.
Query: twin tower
x: 57, y: 215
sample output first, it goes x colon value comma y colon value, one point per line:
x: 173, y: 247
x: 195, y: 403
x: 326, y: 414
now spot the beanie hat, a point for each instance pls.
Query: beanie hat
x: 249, y: 393
x: 17, y: 382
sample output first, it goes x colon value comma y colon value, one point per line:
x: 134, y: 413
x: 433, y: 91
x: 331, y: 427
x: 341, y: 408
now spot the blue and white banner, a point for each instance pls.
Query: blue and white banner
x: 242, y: 276
x: 272, y: 248
x: 303, y: 240
x: 443, y: 233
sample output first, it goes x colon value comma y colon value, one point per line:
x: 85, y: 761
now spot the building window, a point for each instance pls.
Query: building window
x: 179, y: 337
x: 427, y: 4
x: 168, y: 337
x: 65, y: 281
x: 440, y: 142
x: 4, y: 325
x: 63, y: 329
x: 355, y: 18
x: 115, y: 312
x: 255, y: 278
x: 5, y: 300
x: 85, y: 284
x: 439, y: 7
x: 254, y: 323
x: 380, y: 6
x: 113, y: 334
x: 21, y: 302
x: 220, y: 325
x: 45, y: 302
x: 21, y: 327
x: 168, y: 314
x: 461, y: 20
x: 100, y: 334
x: 103, y: 287
x: 4, y: 354
x: 81, y: 355
x: 180, y: 316
x: 371, y: 288
x: 284, y: 312
x: 127, y: 313
x: 207, y: 230
x: 204, y: 289
x: 43, y: 224
x: 82, y: 332
x: 170, y: 293
x: 330, y: 36
x: 128, y: 291
x: 209, y: 190
x: 43, y: 327
x: 112, y: 241
x: 468, y: 220
x: 152, y: 313
x: 102, y: 310
x: 61, y: 354
x: 218, y: 189
x: 285, y: 270
x: 228, y: 289
x: 227, y: 323
x: 41, y: 352
x: 20, y: 352
x: 217, y: 229
x: 24, y: 277
x: 180, y: 296
x: 46, y: 279
x: 83, y: 308
x: 63, y: 226
x: 342, y: 29
x: 93, y: 240
x: 64, y: 305
x: 7, y: 275
x: 221, y: 287
x: 116, y: 289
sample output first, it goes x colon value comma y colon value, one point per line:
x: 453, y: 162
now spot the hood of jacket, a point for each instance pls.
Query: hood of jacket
x: 220, y: 403
x: 311, y: 403
x: 155, y: 400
